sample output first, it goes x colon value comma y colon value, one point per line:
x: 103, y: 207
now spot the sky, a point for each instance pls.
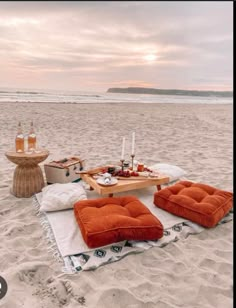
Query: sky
x: 96, y: 45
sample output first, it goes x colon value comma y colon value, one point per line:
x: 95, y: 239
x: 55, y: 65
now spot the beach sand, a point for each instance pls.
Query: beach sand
x: 193, y: 273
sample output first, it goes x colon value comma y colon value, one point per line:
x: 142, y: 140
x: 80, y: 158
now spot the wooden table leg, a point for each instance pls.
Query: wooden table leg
x: 158, y: 187
x: 110, y: 195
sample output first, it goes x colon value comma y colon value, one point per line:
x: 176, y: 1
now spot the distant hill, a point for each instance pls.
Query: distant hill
x: 135, y: 90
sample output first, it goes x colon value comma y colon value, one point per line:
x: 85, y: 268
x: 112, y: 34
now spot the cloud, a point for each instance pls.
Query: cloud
x: 108, y: 40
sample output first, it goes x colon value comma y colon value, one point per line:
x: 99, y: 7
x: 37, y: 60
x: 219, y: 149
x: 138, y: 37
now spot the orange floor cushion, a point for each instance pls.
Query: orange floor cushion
x: 196, y: 202
x: 109, y: 220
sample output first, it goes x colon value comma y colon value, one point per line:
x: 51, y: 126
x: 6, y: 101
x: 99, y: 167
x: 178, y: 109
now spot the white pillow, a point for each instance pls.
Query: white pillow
x: 172, y: 171
x: 56, y: 197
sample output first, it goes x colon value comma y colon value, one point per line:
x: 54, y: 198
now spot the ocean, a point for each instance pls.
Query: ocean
x: 83, y: 97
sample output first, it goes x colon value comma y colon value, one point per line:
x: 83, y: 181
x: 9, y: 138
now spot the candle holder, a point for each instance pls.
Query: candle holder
x: 122, y: 164
x: 132, y: 161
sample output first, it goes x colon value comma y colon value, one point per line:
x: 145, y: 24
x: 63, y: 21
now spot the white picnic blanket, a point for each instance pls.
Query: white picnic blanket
x: 68, y: 245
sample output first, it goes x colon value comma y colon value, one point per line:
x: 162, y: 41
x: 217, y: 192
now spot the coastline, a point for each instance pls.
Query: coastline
x: 154, y: 91
x: 195, y: 272
x: 105, y: 97
x: 118, y: 103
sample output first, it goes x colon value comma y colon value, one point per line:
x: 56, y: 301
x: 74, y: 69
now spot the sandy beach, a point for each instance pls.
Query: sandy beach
x: 193, y: 273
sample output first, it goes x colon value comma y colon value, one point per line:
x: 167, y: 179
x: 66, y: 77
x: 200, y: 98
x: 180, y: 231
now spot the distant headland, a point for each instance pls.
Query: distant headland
x: 138, y: 90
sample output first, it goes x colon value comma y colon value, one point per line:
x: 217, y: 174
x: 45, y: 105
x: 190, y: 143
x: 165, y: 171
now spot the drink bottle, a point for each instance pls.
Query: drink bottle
x: 31, y: 138
x: 19, y: 140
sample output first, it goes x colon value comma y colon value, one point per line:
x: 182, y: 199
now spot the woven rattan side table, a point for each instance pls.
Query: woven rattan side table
x: 28, y: 177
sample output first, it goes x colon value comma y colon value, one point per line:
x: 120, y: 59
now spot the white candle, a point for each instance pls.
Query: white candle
x: 133, y: 142
x: 123, y: 148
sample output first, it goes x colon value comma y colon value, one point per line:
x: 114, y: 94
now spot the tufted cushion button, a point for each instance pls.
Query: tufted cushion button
x: 197, y: 202
x: 109, y: 220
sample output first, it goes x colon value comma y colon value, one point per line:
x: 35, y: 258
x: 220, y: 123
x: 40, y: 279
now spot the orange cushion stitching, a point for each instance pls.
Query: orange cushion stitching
x: 215, y: 214
x: 125, y: 228
x: 195, y: 210
x: 186, y: 206
x: 96, y: 238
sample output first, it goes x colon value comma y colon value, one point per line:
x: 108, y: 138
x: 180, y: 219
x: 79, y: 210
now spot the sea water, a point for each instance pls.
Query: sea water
x: 81, y: 97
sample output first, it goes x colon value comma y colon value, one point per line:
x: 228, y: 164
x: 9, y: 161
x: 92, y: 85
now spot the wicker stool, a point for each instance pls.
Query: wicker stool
x: 28, y: 177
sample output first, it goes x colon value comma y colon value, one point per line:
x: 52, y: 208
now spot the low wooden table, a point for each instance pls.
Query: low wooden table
x: 125, y: 184
x: 28, y: 177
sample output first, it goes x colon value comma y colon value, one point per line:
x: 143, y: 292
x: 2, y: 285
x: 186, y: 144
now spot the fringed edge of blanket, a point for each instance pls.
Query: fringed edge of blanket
x: 51, y: 241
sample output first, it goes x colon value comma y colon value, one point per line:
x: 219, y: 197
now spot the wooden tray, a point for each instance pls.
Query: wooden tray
x: 136, y: 178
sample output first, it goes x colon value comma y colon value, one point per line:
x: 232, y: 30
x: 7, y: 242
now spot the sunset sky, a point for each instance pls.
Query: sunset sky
x: 92, y: 46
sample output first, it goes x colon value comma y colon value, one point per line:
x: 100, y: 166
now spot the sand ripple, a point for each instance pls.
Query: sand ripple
x: 193, y: 273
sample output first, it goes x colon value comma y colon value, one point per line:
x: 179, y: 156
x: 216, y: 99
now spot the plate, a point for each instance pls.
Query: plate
x: 100, y: 181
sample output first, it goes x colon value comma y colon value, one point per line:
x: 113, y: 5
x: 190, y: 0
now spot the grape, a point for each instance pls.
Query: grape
x: 124, y: 173
x: 133, y: 173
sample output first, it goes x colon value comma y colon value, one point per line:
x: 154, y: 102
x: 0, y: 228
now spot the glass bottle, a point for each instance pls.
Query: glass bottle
x: 31, y: 138
x: 19, y: 140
